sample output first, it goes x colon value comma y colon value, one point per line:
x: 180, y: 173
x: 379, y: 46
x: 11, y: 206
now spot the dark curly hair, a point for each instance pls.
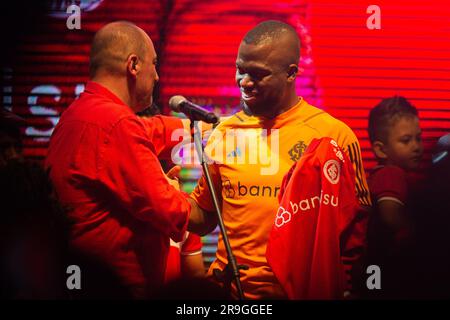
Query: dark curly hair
x: 385, y: 114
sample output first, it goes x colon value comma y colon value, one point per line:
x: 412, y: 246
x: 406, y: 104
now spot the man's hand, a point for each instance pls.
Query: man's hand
x: 172, y: 177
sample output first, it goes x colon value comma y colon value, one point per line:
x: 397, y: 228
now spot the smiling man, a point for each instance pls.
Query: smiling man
x: 266, y: 71
x: 267, y: 65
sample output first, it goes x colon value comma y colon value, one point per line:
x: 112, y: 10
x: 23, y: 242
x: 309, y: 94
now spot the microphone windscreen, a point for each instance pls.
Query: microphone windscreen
x: 175, y: 102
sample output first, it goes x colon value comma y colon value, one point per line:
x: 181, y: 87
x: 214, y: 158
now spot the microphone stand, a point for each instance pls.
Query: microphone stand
x: 231, y: 271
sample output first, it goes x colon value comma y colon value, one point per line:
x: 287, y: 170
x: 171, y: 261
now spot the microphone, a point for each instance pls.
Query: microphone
x: 191, y: 110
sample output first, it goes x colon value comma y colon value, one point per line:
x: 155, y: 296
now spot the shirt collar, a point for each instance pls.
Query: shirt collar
x: 97, y: 88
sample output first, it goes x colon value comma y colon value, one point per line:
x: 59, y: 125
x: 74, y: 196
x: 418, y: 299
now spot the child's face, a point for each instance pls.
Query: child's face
x: 404, y: 146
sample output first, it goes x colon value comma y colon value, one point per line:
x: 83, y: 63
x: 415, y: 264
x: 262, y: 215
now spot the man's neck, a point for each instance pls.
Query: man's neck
x: 291, y: 102
x: 116, y: 86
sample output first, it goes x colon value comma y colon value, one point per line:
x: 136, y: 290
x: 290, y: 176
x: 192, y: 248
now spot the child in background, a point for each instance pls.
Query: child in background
x: 396, y: 140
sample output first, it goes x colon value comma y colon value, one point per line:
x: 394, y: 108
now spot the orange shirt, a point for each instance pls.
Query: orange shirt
x: 251, y: 156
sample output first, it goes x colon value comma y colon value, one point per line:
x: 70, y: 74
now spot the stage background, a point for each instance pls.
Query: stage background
x: 345, y: 67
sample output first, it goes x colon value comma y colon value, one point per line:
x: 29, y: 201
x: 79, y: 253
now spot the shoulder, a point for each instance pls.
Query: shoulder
x: 160, y: 123
x: 387, y: 172
x: 228, y: 124
x: 236, y: 120
x: 98, y: 110
x: 126, y: 125
x: 324, y: 122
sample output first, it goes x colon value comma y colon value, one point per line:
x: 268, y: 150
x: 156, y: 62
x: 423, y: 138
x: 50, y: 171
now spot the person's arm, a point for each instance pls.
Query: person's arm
x: 201, y: 221
x: 395, y: 217
x: 390, y: 189
x: 192, y: 258
x: 392, y: 213
x: 203, y: 218
x: 192, y: 266
x: 166, y: 132
x: 132, y: 175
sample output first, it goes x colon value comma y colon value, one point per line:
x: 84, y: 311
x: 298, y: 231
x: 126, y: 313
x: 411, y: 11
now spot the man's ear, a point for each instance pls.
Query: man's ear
x: 379, y: 148
x: 292, y: 72
x: 133, y: 64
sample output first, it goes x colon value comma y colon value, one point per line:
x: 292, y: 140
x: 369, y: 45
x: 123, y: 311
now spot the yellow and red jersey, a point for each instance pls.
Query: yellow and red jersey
x: 250, y: 157
x: 318, y: 229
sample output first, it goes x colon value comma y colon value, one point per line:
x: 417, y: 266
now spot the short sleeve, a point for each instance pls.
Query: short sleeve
x: 389, y: 183
x: 201, y: 193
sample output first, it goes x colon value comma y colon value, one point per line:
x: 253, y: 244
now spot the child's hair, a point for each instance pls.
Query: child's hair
x: 385, y: 114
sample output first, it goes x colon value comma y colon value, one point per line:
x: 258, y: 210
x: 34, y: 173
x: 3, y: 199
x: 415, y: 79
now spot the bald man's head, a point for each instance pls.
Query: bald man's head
x: 273, y: 31
x: 113, y: 44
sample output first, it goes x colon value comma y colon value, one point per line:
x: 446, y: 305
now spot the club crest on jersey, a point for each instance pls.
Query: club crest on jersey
x: 297, y: 150
x: 331, y: 171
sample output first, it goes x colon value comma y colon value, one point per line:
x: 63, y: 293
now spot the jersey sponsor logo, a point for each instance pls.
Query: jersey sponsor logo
x: 228, y: 189
x: 243, y: 190
x: 284, y: 216
x: 297, y: 150
x: 332, y: 170
x: 337, y: 150
x: 257, y: 190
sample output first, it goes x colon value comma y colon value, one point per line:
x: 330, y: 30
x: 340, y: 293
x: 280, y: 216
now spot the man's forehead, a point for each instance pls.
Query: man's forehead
x: 252, y: 64
x: 251, y: 52
x: 249, y: 48
x: 265, y: 56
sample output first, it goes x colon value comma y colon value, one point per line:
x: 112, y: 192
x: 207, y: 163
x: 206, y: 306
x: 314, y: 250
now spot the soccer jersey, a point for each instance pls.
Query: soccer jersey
x: 318, y: 227
x: 249, y: 158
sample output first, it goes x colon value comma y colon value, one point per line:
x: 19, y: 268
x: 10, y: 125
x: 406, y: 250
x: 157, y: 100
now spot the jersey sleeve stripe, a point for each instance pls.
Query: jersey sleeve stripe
x: 363, y: 193
x: 361, y: 173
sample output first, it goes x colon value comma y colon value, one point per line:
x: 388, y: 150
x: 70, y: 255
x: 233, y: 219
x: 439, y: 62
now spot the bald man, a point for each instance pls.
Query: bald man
x: 274, y: 118
x: 103, y: 162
